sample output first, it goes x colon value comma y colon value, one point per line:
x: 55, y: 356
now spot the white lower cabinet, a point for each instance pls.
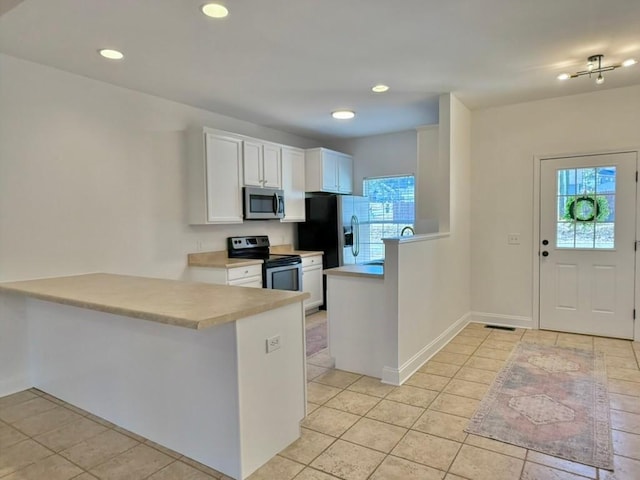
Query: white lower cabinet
x: 312, y: 281
x: 249, y: 276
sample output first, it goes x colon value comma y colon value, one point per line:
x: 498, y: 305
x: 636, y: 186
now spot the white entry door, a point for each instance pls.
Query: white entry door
x: 587, y: 244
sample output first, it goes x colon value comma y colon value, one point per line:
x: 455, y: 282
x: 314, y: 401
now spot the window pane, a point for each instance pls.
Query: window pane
x: 391, y: 208
x: 606, y: 180
x: 563, y: 210
x: 585, y: 207
x: 567, y: 182
x: 585, y: 235
x: 565, y: 235
x: 586, y: 180
x: 604, y: 235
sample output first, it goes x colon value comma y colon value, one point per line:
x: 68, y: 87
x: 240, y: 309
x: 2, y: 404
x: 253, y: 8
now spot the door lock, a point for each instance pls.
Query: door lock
x: 545, y: 253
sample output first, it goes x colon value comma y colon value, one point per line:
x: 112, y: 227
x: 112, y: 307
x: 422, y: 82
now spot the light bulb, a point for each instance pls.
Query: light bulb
x: 111, y: 54
x: 215, y: 10
x: 590, y: 66
x: 564, y: 76
x: 343, y: 114
x: 600, y: 80
x: 628, y: 62
x: 380, y: 88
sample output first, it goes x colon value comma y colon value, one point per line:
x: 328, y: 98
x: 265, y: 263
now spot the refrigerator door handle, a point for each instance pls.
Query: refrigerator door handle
x: 356, y: 235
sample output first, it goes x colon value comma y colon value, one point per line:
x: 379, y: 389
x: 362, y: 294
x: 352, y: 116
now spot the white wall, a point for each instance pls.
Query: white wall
x: 93, y: 177
x: 504, y: 143
x: 434, y: 287
x: 381, y: 155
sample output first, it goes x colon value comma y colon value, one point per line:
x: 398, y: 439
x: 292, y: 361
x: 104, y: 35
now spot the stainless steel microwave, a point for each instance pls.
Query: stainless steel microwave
x: 263, y: 203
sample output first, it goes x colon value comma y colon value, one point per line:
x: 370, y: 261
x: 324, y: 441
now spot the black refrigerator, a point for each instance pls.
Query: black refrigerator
x: 334, y: 225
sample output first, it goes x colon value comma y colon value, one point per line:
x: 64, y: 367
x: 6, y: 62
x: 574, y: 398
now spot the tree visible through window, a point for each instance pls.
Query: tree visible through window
x: 391, y: 208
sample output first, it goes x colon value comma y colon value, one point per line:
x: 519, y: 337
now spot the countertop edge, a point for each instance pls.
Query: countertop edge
x: 157, y: 317
x: 367, y: 271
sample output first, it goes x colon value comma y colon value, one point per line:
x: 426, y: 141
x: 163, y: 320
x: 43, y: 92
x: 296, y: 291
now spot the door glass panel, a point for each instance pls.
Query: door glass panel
x: 566, y: 235
x: 586, y: 208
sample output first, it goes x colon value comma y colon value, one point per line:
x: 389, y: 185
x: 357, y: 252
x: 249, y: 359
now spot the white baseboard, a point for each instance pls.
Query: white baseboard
x: 502, y: 320
x: 397, y: 376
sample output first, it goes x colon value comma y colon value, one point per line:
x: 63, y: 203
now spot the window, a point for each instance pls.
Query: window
x: 391, y: 208
x: 586, y: 200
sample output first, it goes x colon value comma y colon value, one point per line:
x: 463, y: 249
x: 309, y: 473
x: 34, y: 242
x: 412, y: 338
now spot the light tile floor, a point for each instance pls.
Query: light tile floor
x: 356, y: 428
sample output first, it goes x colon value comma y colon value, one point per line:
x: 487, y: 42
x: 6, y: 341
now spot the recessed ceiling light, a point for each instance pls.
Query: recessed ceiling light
x: 343, y: 114
x: 380, y: 88
x: 564, y: 76
x: 111, y: 54
x: 628, y: 62
x: 215, y: 10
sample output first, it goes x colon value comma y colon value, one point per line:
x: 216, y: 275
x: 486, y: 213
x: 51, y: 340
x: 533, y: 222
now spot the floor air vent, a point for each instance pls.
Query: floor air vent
x: 498, y: 327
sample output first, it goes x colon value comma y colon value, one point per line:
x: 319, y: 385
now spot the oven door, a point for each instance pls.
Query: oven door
x: 288, y: 277
x: 263, y: 203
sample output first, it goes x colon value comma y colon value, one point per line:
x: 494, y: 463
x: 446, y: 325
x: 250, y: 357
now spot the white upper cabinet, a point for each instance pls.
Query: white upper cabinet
x: 262, y: 164
x: 215, y: 164
x: 345, y: 173
x: 293, y: 184
x: 328, y: 171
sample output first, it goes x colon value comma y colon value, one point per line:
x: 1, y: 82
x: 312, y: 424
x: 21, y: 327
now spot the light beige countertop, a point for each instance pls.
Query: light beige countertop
x: 174, y: 302
x: 371, y: 271
x: 221, y: 260
x: 218, y: 260
x: 289, y: 250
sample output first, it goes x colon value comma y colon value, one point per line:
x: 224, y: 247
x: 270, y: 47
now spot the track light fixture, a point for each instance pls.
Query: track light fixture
x: 594, y: 66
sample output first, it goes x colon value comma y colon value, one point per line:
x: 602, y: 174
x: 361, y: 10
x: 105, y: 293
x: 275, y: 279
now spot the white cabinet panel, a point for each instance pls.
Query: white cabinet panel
x: 293, y: 184
x: 312, y: 281
x: 238, y: 273
x: 214, y: 177
x: 250, y: 276
x: 345, y: 174
x: 271, y: 166
x: 262, y: 164
x: 328, y: 171
x: 252, y: 164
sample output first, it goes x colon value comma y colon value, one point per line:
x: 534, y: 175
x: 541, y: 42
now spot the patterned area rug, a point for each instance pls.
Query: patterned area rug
x: 553, y: 400
x: 316, y: 338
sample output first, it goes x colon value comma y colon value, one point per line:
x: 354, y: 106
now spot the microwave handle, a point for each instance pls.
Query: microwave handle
x: 274, y: 203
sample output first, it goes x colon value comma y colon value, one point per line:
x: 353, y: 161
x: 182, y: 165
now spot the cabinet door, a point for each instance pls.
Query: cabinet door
x: 253, y: 173
x: 271, y: 166
x: 224, y: 179
x: 345, y: 174
x: 312, y: 283
x: 329, y: 171
x: 293, y: 184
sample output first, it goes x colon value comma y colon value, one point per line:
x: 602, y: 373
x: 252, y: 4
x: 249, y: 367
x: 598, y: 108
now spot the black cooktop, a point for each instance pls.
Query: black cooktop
x: 257, y: 247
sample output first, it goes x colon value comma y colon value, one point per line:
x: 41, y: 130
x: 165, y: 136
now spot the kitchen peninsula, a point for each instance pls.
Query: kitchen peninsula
x: 214, y: 372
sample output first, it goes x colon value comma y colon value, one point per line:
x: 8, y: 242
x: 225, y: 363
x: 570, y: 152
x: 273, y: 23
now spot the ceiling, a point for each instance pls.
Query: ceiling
x: 287, y: 64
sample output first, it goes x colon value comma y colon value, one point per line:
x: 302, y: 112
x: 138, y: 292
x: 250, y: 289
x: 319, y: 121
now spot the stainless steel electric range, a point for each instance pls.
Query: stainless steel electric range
x: 281, y: 272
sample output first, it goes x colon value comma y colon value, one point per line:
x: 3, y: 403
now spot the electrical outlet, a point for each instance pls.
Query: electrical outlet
x: 274, y: 343
x: 198, y: 245
x: 513, y: 239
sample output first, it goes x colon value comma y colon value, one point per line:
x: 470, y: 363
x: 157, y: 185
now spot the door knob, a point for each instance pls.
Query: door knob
x: 545, y: 254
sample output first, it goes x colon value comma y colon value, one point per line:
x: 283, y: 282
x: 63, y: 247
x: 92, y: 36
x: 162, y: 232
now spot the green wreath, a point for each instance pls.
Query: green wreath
x: 586, y: 208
